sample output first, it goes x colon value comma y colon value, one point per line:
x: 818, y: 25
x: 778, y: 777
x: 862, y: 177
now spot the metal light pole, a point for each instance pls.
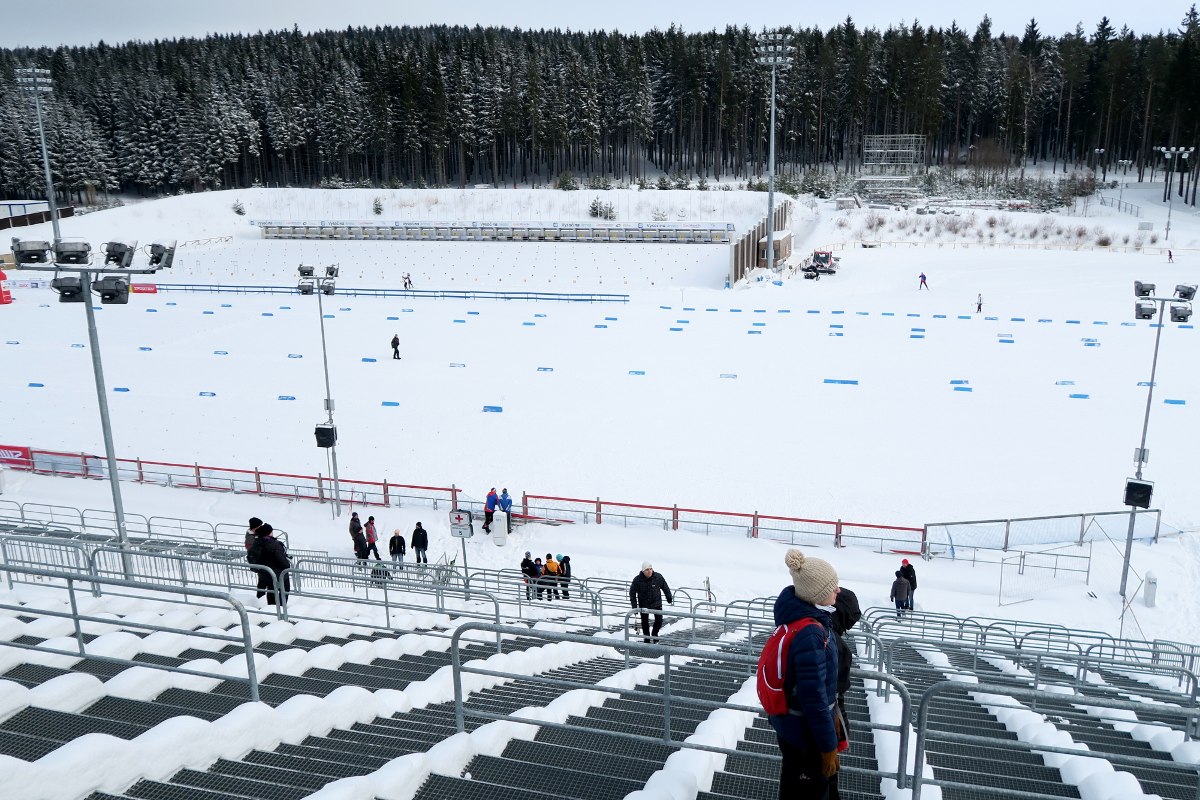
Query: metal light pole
x: 1144, y: 308
x: 1124, y: 164
x: 773, y: 52
x: 1170, y: 153
x: 323, y: 286
x: 36, y: 82
x: 1099, y: 151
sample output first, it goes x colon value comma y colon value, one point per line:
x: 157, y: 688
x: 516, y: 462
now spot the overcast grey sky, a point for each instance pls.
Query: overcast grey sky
x: 35, y: 23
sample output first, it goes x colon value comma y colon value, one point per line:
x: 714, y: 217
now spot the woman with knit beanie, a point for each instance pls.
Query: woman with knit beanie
x: 808, y: 734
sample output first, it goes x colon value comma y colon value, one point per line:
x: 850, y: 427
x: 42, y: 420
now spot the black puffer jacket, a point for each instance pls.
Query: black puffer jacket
x: 648, y: 592
x: 910, y: 575
x: 419, y: 539
x: 846, y: 614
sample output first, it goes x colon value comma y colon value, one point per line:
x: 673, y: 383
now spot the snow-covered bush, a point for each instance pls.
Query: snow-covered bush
x: 238, y: 208
x: 567, y: 182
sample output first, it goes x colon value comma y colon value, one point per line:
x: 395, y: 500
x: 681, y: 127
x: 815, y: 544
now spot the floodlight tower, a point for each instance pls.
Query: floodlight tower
x: 772, y: 51
x: 326, y: 432
x: 35, y: 83
x: 1137, y: 491
x: 1170, y: 154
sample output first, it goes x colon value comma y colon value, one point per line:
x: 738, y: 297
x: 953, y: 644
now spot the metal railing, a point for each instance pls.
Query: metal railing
x: 668, y: 701
x: 948, y: 689
x: 70, y: 583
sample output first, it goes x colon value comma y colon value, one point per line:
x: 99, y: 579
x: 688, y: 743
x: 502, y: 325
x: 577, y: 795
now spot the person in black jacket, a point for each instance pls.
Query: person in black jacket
x: 420, y: 543
x: 356, y: 536
x: 531, y: 575
x: 646, y: 591
x: 255, y: 522
x: 269, y: 553
x: 397, y: 549
x: 910, y: 575
x: 564, y: 576
x: 846, y: 614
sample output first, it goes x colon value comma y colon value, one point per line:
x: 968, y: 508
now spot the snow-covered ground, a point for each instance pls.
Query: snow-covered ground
x: 688, y: 394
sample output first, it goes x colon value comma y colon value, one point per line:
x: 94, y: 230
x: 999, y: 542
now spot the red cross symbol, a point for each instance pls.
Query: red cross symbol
x: 458, y: 518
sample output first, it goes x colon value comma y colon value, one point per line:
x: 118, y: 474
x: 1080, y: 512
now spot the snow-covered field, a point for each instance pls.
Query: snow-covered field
x: 689, y: 394
x: 645, y: 408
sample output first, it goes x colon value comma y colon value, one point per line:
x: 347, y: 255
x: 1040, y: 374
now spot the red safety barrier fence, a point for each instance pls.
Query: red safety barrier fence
x: 534, y: 507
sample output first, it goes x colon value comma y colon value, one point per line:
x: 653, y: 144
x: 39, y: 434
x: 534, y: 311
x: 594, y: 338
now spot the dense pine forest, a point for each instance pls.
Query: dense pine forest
x: 447, y: 106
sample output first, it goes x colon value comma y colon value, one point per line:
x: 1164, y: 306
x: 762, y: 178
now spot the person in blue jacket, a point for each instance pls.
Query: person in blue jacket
x: 506, y: 507
x: 808, y: 734
x: 489, y: 509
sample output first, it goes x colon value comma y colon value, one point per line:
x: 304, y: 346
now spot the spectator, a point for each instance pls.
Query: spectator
x: 899, y: 593
x: 489, y: 509
x: 910, y: 575
x: 846, y: 614
x: 420, y: 543
x: 537, y: 577
x: 506, y: 507
x: 269, y: 553
x: 530, y: 574
x: 809, y: 734
x: 646, y: 591
x: 396, y: 548
x: 564, y: 576
x: 396, y: 346
x: 551, y: 573
x: 254, y: 523
x: 372, y: 538
x: 356, y: 536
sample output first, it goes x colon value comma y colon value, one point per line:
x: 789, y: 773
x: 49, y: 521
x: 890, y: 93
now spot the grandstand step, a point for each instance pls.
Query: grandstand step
x: 63, y: 727
x: 570, y: 758
x: 140, y: 712
x: 237, y: 787
x: 584, y: 739
x: 330, y: 770
x: 442, y: 787
x: 25, y: 746
x: 1006, y: 781
x: 957, y: 760
x: 983, y: 752
x: 301, y: 779
x: 31, y: 675
x: 410, y: 733
x: 377, y: 679
x: 566, y: 783
x: 363, y: 743
x: 204, y: 702
x: 154, y: 790
x: 349, y: 756
x: 679, y: 730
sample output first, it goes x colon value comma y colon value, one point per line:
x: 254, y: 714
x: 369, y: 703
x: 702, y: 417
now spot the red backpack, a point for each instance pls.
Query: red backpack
x: 772, y: 666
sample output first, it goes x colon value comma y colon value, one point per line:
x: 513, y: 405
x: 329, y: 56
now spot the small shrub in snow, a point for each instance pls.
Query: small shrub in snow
x: 1104, y: 240
x: 1125, y: 239
x: 600, y: 182
x: 567, y: 182
x: 658, y: 215
x: 725, y: 187
x: 842, y: 223
x: 873, y: 221
x: 377, y: 206
x: 1081, y: 232
x: 1154, y: 238
x: 642, y: 183
x: 602, y: 210
x: 238, y: 208
x: 992, y: 221
x: 681, y: 181
x: 664, y: 183
x: 702, y: 184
